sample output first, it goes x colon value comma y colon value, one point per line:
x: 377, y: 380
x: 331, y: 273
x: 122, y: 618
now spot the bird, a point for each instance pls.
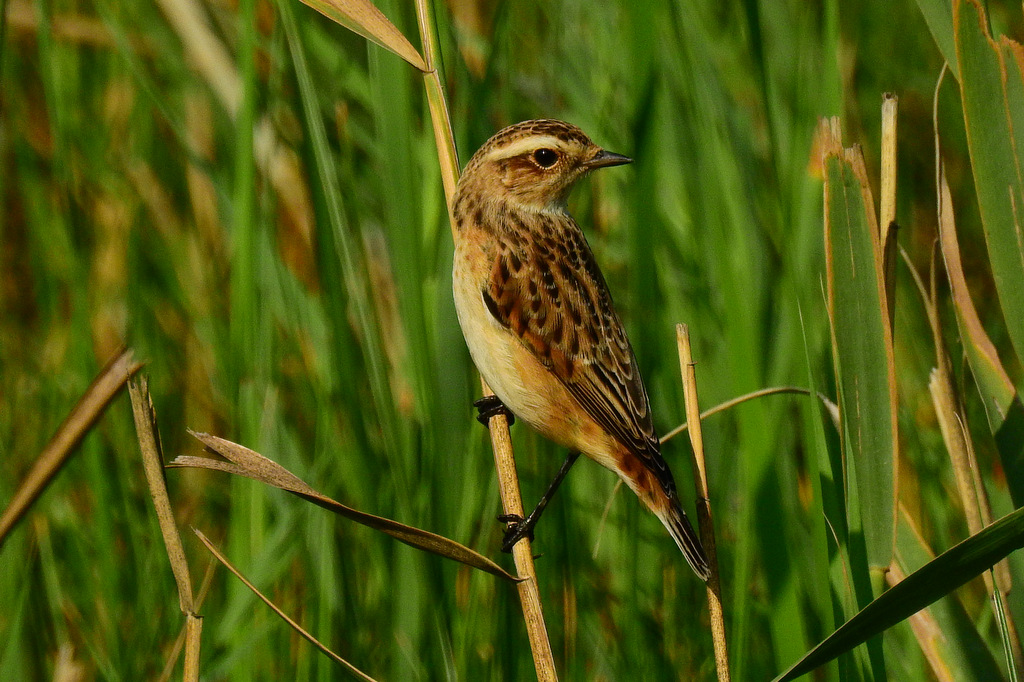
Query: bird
x: 539, y: 321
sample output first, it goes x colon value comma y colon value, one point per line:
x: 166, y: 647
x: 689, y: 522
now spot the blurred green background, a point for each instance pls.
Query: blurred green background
x: 248, y: 195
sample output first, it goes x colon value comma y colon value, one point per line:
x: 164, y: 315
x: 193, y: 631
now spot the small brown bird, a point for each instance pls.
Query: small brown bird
x: 539, y: 321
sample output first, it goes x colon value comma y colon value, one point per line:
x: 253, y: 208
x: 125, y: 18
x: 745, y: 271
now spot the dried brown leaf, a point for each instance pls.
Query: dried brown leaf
x: 251, y: 464
x: 362, y: 17
x: 90, y: 407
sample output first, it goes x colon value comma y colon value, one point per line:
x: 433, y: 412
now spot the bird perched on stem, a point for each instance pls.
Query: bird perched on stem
x: 539, y: 321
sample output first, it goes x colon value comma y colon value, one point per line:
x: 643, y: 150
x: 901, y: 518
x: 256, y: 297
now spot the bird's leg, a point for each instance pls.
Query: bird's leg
x: 518, y: 527
x: 491, y: 406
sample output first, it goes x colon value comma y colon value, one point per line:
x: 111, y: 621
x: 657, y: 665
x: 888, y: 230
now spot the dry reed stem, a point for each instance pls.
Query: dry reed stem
x: 887, y: 211
x: 977, y: 510
x: 193, y: 638
x: 152, y: 463
x: 353, y: 14
x: 90, y: 407
x: 295, y: 626
x: 890, y: 107
x: 444, y: 140
x: 501, y: 442
x: 707, y: 528
x: 522, y: 551
x: 947, y: 411
x: 184, y: 633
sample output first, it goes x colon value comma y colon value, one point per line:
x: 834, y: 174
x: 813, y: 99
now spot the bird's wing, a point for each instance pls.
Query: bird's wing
x: 550, y: 293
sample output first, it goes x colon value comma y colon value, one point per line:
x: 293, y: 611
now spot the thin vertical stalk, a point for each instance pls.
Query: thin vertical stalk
x: 152, y: 464
x: 887, y: 210
x: 438, y: 105
x: 704, y: 520
x: 522, y: 551
x: 501, y: 442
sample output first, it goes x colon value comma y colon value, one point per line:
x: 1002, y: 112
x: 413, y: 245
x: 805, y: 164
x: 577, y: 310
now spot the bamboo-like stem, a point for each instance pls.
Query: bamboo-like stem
x: 437, y: 103
x: 501, y: 441
x: 152, y: 464
x: 193, y: 639
x: 190, y: 630
x: 522, y: 551
x: 704, y: 520
x: 887, y: 210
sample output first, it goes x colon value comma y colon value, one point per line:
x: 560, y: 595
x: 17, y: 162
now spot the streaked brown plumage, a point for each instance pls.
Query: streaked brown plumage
x: 538, y: 317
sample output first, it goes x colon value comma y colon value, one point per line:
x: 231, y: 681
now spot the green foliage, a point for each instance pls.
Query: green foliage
x: 993, y: 95
x: 269, y: 232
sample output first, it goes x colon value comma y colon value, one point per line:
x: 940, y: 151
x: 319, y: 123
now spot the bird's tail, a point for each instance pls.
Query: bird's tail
x: 674, y: 518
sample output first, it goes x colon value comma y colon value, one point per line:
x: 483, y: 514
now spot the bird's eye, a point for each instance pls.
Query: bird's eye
x: 545, y: 158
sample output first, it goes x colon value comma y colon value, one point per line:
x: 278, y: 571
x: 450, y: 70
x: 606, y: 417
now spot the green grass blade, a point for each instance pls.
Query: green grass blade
x: 862, y: 344
x: 938, y: 14
x: 826, y: 499
x: 993, y: 98
x: 246, y: 310
x: 1004, y: 632
x: 339, y: 239
x: 1009, y: 439
x: 932, y: 581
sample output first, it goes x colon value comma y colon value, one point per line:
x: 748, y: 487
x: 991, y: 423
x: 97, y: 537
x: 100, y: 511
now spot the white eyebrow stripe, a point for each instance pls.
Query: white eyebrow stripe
x: 527, y: 144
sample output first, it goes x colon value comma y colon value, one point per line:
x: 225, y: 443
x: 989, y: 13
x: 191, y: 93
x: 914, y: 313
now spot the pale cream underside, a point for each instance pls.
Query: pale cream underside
x: 515, y: 375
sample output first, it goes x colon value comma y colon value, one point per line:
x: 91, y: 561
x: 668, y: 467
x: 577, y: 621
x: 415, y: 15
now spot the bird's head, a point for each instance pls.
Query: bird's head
x: 536, y: 163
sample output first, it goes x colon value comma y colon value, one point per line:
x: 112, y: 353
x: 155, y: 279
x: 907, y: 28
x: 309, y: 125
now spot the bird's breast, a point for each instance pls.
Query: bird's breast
x: 513, y: 371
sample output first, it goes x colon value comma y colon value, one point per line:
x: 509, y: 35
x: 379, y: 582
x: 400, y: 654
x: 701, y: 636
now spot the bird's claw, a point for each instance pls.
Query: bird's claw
x: 491, y: 406
x: 518, y: 528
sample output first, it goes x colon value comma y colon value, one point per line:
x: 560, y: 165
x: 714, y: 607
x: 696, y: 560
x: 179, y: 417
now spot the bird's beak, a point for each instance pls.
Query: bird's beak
x: 604, y: 158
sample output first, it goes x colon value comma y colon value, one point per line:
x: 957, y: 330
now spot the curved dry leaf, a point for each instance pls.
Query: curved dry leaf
x: 64, y: 442
x: 830, y: 407
x: 251, y: 464
x: 362, y: 17
x: 994, y: 383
